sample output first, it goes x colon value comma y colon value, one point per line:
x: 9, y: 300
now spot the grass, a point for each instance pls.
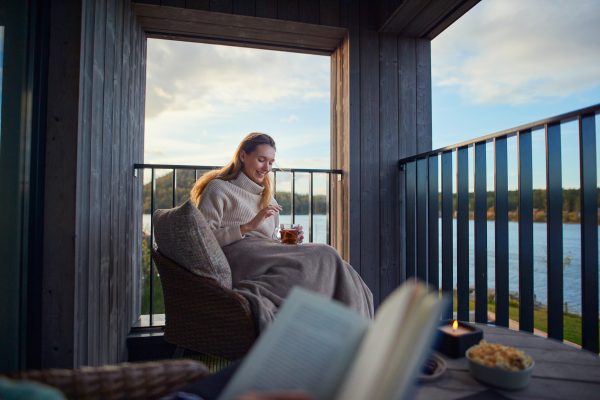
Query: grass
x: 157, y: 301
x: 571, y: 322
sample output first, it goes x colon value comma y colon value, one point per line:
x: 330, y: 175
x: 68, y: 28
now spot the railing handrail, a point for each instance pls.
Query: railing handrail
x: 561, y: 118
x: 212, y: 167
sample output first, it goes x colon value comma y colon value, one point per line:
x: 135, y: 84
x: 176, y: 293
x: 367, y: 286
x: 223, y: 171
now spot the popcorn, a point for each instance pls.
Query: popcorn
x: 494, y: 355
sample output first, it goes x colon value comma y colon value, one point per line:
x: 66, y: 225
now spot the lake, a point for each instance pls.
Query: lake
x: 571, y: 256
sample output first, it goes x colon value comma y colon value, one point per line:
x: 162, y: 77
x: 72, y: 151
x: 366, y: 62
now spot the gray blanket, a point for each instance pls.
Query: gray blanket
x: 264, y: 271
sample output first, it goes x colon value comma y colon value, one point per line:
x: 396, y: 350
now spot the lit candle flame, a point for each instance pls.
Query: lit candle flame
x: 455, y: 325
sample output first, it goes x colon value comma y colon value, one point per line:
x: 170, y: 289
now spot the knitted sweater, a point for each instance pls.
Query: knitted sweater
x: 228, y: 204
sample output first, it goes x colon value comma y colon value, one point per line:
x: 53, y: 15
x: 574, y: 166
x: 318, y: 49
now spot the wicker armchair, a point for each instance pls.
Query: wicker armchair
x: 148, y: 380
x: 203, y: 316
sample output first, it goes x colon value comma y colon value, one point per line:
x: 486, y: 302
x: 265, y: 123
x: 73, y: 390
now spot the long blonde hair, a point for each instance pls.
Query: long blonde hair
x: 234, y: 167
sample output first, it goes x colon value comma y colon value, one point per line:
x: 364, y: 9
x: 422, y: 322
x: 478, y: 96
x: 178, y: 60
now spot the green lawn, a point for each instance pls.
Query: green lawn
x: 571, y: 322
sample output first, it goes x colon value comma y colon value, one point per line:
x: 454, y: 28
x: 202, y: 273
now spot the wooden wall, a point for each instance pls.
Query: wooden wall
x: 323, y: 12
x: 388, y: 106
x: 92, y: 232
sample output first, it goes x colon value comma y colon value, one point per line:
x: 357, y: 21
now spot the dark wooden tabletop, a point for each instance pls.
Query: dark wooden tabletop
x: 561, y: 372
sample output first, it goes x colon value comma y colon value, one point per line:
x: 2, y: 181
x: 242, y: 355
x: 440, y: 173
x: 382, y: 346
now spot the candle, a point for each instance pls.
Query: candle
x: 455, y: 329
x: 457, y: 337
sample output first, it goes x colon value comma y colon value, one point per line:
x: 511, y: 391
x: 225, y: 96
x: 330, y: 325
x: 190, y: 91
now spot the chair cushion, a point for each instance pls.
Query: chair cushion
x: 183, y: 235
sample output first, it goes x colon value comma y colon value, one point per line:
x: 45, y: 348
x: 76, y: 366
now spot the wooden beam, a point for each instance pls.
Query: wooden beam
x: 423, y: 19
x: 205, y: 26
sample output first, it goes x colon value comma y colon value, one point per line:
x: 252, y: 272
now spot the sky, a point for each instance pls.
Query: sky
x: 503, y: 64
x: 201, y: 100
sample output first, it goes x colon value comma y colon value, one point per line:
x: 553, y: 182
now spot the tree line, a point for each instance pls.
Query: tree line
x: 185, y: 180
x: 571, y: 200
x: 163, y: 195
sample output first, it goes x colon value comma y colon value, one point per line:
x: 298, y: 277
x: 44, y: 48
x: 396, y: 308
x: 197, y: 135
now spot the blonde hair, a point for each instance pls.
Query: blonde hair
x: 234, y: 167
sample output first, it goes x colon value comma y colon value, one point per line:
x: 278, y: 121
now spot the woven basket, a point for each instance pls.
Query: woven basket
x: 203, y: 316
x: 148, y: 380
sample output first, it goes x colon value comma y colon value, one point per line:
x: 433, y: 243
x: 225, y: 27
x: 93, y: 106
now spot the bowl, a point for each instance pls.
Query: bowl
x: 498, y: 376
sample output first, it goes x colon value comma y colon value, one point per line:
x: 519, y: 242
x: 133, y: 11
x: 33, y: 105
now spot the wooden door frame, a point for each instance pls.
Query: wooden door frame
x: 200, y: 26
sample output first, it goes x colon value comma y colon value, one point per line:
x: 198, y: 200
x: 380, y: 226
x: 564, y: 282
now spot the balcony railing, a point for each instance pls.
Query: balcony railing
x: 424, y: 199
x: 166, y: 186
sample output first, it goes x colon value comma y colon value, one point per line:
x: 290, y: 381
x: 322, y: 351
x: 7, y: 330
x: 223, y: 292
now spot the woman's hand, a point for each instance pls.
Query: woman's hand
x: 300, y: 230
x: 267, y: 212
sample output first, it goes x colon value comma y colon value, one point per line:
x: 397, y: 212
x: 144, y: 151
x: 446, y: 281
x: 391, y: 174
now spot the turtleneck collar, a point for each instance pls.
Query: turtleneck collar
x: 247, y: 184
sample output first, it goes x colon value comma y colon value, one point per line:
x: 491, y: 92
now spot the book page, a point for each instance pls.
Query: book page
x: 407, y: 358
x: 308, y: 347
x: 396, y: 343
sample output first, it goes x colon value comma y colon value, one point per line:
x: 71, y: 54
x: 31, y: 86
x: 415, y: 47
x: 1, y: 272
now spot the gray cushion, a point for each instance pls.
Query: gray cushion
x: 183, y: 235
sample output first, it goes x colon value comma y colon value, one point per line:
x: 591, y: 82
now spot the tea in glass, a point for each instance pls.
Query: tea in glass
x: 288, y: 233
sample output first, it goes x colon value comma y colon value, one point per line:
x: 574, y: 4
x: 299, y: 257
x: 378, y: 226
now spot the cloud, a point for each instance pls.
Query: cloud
x: 517, y: 52
x: 220, y: 80
x: 290, y: 119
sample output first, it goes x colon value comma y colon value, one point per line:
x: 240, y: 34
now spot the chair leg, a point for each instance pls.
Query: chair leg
x: 179, y: 351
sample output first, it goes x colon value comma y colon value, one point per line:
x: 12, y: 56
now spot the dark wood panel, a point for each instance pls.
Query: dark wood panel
x: 105, y: 183
x: 351, y: 15
x: 173, y: 3
x: 198, y: 4
x: 234, y: 21
x: 408, y: 93
x: 450, y: 18
x: 60, y: 342
x: 244, y: 7
x: 369, y: 154
x: 288, y: 9
x: 308, y: 11
x: 94, y: 175
x: 400, y: 14
x: 117, y: 264
x: 184, y: 24
x: 428, y: 17
x: 223, y: 6
x: 96, y: 314
x: 388, y: 174
x: 421, y: 18
x: 423, y: 98
x: 329, y: 12
x: 266, y: 8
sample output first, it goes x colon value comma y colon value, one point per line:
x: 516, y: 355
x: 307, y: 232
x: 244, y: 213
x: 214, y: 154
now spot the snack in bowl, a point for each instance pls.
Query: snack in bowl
x: 498, y: 365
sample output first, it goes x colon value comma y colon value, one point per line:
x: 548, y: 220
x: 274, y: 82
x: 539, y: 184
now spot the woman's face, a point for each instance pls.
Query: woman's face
x: 258, y: 164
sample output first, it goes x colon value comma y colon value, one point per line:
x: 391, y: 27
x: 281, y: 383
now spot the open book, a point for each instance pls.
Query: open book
x: 322, y: 347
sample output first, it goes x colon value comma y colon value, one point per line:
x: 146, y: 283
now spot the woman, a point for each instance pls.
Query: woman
x: 237, y: 202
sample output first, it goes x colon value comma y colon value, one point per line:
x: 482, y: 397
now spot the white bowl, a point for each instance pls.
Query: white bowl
x: 499, y: 377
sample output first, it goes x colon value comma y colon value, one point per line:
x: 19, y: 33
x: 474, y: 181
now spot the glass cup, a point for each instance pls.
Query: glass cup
x: 288, y: 233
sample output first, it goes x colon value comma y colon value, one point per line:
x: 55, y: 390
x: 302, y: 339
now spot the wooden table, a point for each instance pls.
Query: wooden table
x: 561, y: 371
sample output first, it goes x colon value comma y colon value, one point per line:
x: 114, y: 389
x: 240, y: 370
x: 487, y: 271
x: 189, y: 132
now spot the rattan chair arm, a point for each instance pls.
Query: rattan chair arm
x: 148, y: 380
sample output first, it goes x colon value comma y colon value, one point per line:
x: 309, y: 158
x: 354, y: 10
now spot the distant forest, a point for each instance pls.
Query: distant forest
x: 185, y: 180
x: 570, y: 199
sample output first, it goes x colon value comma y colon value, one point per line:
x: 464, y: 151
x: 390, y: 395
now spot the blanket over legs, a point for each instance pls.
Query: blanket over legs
x: 264, y: 271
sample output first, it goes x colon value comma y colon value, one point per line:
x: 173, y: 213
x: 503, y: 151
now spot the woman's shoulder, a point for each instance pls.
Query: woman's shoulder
x: 216, y: 184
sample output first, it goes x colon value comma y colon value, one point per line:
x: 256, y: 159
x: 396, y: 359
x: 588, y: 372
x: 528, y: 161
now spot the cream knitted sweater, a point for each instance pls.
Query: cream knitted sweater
x: 228, y: 204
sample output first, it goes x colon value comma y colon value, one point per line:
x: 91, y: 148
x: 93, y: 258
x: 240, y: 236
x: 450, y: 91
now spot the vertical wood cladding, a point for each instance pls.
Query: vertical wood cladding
x: 101, y: 149
x: 390, y: 118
